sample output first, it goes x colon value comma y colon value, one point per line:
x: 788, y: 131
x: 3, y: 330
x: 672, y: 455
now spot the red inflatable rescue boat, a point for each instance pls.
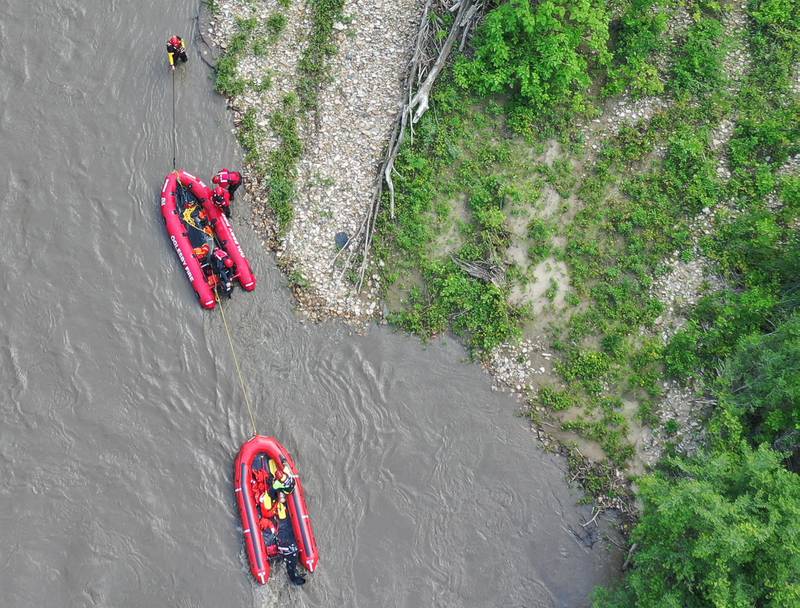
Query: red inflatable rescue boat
x: 197, y: 229
x: 258, y: 453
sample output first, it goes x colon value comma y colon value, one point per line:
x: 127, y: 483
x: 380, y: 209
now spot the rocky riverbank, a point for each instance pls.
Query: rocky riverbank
x: 342, y: 138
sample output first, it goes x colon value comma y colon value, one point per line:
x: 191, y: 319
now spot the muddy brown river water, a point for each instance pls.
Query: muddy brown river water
x: 120, y: 415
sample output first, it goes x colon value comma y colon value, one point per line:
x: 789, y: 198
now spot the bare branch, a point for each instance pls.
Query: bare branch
x: 488, y: 272
x: 428, y: 59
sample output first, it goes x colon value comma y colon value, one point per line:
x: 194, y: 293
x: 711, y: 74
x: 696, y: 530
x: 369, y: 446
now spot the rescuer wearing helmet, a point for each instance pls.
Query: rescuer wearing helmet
x: 230, y: 180
x: 176, y: 51
x: 278, y: 527
x: 222, y: 266
x: 222, y: 199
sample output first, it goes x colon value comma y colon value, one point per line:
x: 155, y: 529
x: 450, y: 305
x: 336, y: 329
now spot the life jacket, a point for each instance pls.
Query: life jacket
x: 267, y: 505
x: 226, y: 178
x: 221, y: 178
x: 220, y: 254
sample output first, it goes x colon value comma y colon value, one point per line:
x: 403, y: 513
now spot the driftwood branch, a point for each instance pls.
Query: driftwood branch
x: 430, y: 56
x: 593, y: 520
x: 629, y: 556
x: 488, y: 272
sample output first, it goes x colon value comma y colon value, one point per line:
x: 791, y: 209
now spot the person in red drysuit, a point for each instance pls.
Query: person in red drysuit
x: 176, y: 51
x: 222, y: 199
x: 230, y: 180
x: 222, y: 267
x: 275, y: 523
x: 260, y: 483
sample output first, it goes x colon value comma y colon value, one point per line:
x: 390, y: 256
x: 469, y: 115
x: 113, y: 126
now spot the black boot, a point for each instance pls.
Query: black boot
x: 291, y: 570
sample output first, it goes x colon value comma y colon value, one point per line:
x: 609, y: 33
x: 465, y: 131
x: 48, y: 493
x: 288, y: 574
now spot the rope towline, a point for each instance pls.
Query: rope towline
x: 236, y: 363
x: 216, y: 293
x: 174, y: 126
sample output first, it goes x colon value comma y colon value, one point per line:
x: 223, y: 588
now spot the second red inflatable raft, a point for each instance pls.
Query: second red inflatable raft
x: 270, y: 448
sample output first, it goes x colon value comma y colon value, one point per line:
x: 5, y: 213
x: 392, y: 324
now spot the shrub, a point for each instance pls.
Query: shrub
x: 721, y: 530
x: 541, y: 52
x: 639, y: 36
x: 555, y: 399
x: 719, y: 321
x: 699, y: 69
x: 585, y: 365
x: 761, y: 381
x: 475, y: 310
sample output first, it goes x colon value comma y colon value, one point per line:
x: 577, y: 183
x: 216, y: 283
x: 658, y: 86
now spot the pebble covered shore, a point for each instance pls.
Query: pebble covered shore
x: 343, y: 140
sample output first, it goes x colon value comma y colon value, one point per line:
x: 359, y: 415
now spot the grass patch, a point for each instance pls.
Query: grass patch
x: 248, y: 135
x: 281, y: 166
x: 312, y: 69
x: 212, y: 6
x: 227, y: 80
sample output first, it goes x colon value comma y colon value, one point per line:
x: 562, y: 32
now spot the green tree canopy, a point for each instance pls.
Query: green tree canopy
x: 762, y: 381
x: 721, y: 530
x: 539, y: 51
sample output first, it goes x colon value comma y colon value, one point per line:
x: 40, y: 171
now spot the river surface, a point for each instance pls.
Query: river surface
x: 120, y: 412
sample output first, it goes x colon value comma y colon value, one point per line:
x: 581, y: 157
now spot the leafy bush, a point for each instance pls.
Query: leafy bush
x: 698, y: 69
x: 721, y: 530
x: 762, y: 381
x: 476, y: 310
x: 690, y: 174
x: 718, y: 323
x: 750, y: 246
x: 540, y: 51
x: 555, y: 399
x: 778, y: 20
x: 585, y: 365
x: 639, y: 35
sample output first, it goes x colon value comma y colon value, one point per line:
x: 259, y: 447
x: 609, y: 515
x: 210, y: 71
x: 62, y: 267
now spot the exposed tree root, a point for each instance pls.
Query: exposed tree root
x: 429, y: 58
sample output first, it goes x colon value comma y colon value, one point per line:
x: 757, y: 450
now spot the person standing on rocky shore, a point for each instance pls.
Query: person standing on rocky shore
x: 230, y: 180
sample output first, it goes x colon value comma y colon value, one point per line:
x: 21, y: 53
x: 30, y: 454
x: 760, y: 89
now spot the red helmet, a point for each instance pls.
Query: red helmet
x: 175, y: 40
x: 228, y: 263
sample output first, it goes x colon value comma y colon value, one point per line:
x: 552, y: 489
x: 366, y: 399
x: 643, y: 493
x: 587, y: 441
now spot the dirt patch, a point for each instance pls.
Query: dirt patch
x: 449, y: 241
x: 546, y: 288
